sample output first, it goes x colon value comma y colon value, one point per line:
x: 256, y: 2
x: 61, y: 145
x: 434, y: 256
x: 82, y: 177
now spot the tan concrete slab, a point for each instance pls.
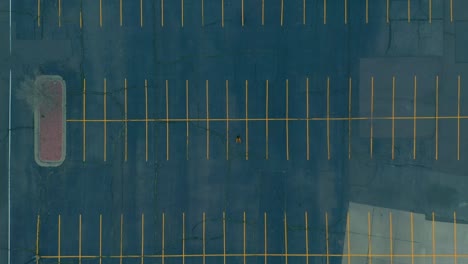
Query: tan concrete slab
x: 411, y: 238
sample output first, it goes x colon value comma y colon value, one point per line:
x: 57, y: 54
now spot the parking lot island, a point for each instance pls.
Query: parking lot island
x: 50, y: 121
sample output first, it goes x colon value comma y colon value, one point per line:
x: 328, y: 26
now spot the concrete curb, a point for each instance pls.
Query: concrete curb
x: 37, y: 118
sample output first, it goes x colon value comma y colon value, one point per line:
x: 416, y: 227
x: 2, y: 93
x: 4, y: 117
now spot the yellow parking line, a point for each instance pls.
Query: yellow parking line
x: 348, y: 226
x: 222, y: 13
x: 167, y: 120
x: 183, y: 238
x: 282, y: 10
x: 162, y: 13
x: 142, y: 238
x: 146, y: 119
x: 244, y: 225
x: 121, y: 238
x: 367, y: 11
x: 60, y: 13
x: 393, y: 117
x: 141, y: 12
x: 409, y: 11
x: 100, y: 13
x: 414, y: 119
x: 202, y: 13
x: 285, y: 239
x: 204, y: 255
x: 224, y: 237
x: 328, y: 117
x: 38, y: 13
x: 207, y: 124
x: 412, y: 237
x: 372, y: 119
x: 369, y: 238
x: 246, y: 120
x: 126, y: 120
x: 346, y: 11
x: 38, y: 225
x: 324, y: 12
x: 142, y: 120
x: 326, y: 238
x: 182, y: 13
x: 437, y: 120
x: 163, y: 248
x: 121, y: 13
x: 430, y: 11
x: 187, y: 118
x: 105, y: 119
x: 58, y: 239
x: 391, y: 236
x: 81, y: 19
x: 303, y: 12
x: 458, y: 121
x: 287, y: 119
x: 455, y: 257
x: 433, y: 240
x: 100, y: 239
x: 388, y: 11
x: 266, y: 121
x: 307, y: 116
x: 265, y: 235
x: 307, y: 237
x: 263, y: 12
x: 79, y: 241
x: 227, y: 120
x: 451, y: 11
x: 84, y: 119
x: 242, y: 9
x: 349, y: 117
x: 274, y: 255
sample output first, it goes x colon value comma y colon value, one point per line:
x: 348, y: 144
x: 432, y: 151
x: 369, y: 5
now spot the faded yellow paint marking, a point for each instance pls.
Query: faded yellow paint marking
x: 79, y: 241
x: 246, y: 120
x: 60, y: 13
x: 437, y: 120
x: 326, y: 238
x: 287, y: 119
x: 100, y: 13
x: 38, y: 228
x: 266, y: 122
x: 393, y: 117
x: 372, y: 119
x: 227, y: 120
x: 38, y: 13
x: 105, y: 118
x: 414, y: 119
x: 265, y: 236
x: 307, y: 237
x: 328, y: 118
x: 207, y: 123
x: 307, y: 119
x: 146, y: 120
x: 167, y: 119
x: 458, y: 120
x: 349, y: 116
x: 84, y: 119
x: 142, y: 239
x: 325, y: 14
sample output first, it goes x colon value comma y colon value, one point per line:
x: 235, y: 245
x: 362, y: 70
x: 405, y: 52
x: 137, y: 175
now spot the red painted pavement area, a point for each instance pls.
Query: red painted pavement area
x: 51, y: 126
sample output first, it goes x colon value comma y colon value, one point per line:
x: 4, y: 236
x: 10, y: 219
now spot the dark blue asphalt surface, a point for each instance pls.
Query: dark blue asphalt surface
x: 233, y: 53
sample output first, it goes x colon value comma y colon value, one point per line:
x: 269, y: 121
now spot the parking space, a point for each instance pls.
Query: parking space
x: 235, y: 13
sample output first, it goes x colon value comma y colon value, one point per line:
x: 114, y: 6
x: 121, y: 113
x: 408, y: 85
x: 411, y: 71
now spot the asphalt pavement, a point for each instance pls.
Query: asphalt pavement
x: 325, y: 102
